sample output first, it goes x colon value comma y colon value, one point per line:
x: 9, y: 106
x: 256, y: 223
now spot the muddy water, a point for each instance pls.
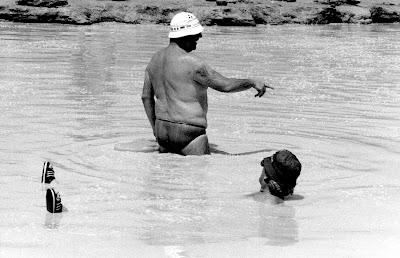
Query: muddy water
x: 69, y: 94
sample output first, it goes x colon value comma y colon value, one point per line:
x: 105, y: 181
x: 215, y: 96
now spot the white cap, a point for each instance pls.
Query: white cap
x: 184, y: 24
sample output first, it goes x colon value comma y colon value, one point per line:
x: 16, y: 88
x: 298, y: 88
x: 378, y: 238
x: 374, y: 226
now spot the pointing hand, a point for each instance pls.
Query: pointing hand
x: 261, y: 88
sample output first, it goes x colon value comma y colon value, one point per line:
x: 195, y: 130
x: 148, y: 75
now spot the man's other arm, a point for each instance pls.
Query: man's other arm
x: 148, y: 100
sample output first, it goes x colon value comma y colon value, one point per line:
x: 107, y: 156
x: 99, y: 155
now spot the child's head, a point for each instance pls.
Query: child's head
x: 280, y: 172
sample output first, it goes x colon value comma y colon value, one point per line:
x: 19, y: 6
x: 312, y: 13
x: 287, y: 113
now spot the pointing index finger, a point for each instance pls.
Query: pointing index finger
x: 269, y: 87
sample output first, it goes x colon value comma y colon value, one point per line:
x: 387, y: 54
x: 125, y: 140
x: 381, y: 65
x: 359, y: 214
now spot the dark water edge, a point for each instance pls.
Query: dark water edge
x: 234, y: 13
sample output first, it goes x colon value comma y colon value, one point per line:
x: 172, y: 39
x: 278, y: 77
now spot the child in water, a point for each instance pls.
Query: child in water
x: 279, y: 174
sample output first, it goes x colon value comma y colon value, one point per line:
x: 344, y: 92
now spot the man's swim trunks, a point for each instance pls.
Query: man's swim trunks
x: 175, y: 136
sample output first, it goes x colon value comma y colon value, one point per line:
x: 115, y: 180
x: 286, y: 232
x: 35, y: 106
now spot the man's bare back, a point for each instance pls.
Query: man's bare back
x: 178, y: 97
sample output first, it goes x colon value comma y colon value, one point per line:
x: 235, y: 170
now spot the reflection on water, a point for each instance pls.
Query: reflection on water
x: 69, y: 94
x: 53, y: 220
x: 277, y: 221
x: 278, y: 225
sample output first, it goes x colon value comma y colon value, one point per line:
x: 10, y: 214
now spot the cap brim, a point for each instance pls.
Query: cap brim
x: 183, y: 33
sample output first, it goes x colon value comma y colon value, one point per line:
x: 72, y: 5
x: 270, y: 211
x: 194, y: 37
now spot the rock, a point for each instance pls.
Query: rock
x: 43, y: 3
x: 354, y: 14
x: 326, y: 16
x: 244, y: 13
x: 157, y: 14
x: 382, y: 15
x: 338, y: 2
x: 227, y: 17
x: 47, y: 15
x: 352, y: 2
x: 225, y: 2
x: 267, y: 15
x: 222, y: 3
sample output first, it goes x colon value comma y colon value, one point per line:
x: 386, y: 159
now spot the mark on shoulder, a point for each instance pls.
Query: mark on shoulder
x: 202, y: 70
x: 193, y: 59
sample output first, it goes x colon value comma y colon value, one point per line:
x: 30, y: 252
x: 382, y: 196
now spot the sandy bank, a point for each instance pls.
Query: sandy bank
x: 234, y: 13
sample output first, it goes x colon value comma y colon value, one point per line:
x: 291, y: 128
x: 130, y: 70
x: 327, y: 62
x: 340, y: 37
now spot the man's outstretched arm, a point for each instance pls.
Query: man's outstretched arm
x: 210, y: 78
x: 148, y: 100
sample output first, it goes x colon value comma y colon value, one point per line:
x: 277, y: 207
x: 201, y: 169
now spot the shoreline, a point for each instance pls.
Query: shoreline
x: 234, y: 13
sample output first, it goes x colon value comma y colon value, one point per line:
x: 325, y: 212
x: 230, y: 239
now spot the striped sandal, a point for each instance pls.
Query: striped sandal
x: 53, y: 201
x: 47, y: 173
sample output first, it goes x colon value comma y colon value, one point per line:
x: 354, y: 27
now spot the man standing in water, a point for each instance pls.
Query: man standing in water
x: 179, y: 81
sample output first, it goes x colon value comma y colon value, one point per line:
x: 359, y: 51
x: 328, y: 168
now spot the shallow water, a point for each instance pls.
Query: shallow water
x: 69, y: 94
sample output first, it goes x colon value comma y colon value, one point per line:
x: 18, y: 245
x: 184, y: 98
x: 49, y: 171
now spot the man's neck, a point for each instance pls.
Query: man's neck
x: 180, y: 44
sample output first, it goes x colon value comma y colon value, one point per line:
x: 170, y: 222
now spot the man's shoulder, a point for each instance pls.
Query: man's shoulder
x: 156, y: 59
x: 192, y: 59
x: 182, y: 56
x: 157, y: 55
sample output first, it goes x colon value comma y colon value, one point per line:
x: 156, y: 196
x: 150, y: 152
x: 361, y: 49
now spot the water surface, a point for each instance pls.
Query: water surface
x: 69, y: 94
